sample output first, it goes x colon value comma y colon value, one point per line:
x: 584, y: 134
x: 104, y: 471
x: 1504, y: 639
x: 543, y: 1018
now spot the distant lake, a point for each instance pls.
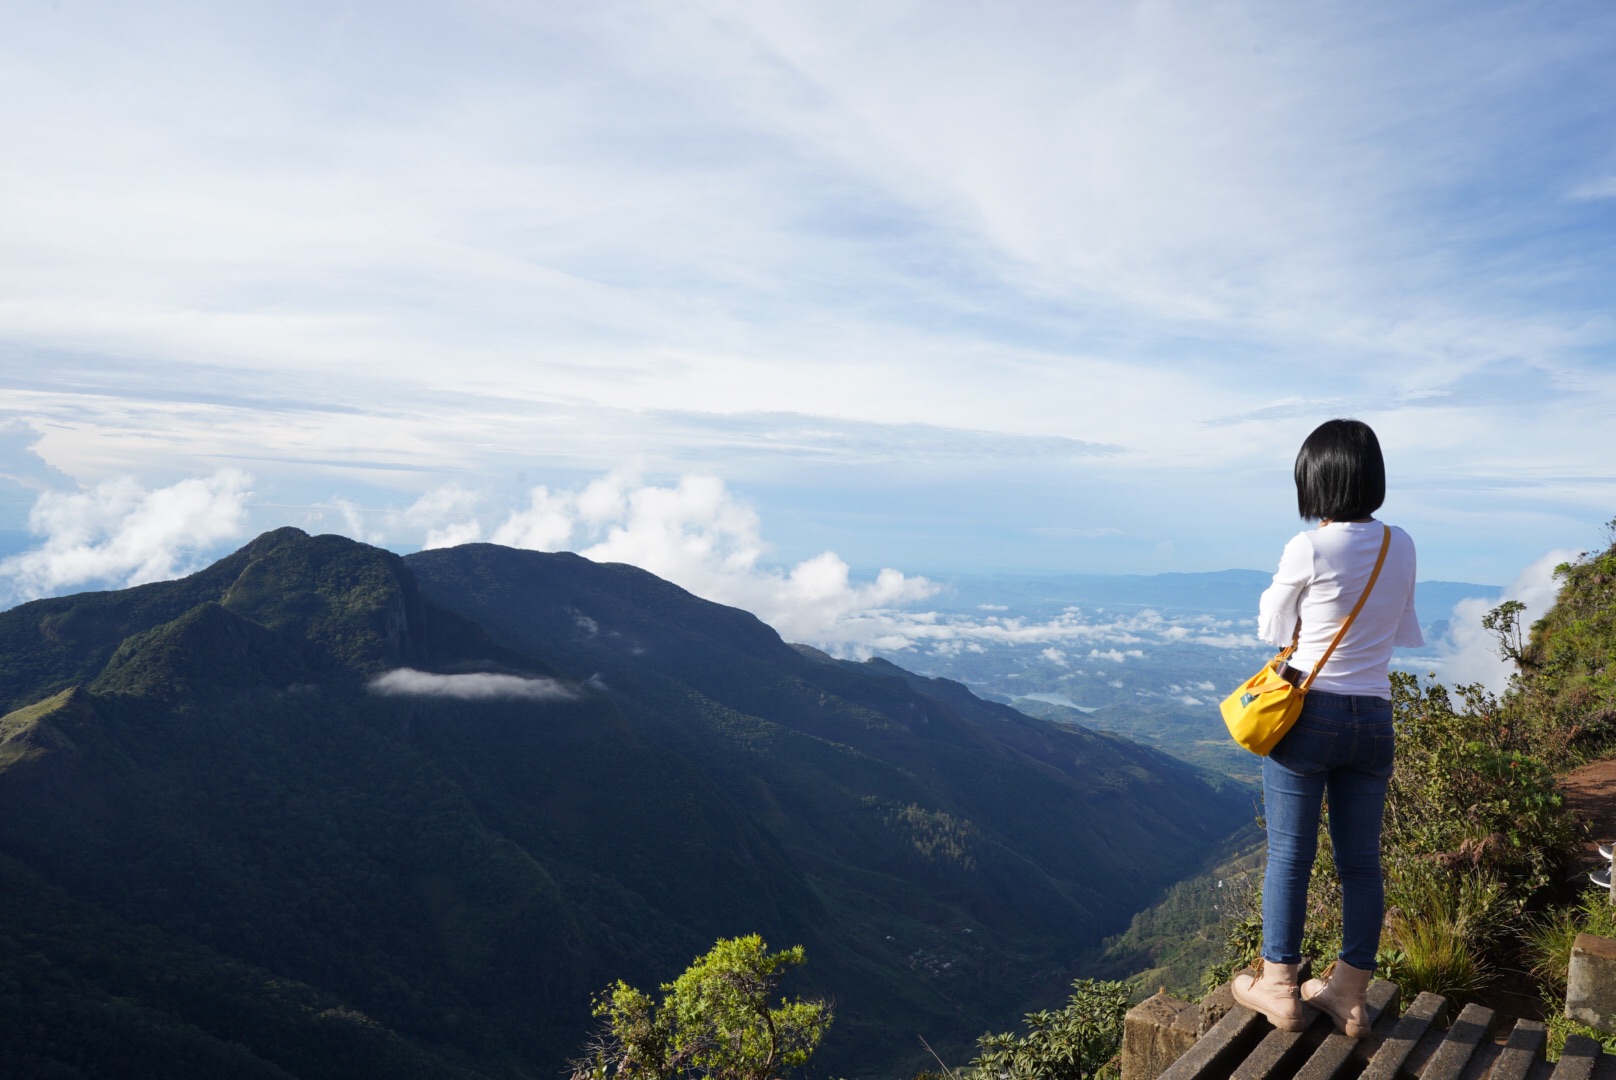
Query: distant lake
x: 1057, y: 699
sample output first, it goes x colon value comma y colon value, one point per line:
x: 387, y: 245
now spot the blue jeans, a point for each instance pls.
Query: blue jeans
x: 1342, y: 747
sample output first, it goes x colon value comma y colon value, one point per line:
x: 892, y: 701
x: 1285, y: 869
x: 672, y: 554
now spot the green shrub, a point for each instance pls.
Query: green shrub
x: 1433, y: 954
x: 1074, y: 1043
x: 1476, y: 902
x: 715, y: 1021
x: 1468, y: 789
x: 1442, y: 924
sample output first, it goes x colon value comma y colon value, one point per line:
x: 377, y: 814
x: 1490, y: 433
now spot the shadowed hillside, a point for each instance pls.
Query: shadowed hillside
x: 224, y: 852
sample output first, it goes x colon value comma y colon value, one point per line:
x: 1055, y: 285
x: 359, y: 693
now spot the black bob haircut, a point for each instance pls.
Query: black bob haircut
x: 1340, y: 475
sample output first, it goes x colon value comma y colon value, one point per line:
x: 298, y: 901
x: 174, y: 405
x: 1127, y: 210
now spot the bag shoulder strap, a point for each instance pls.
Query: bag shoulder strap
x: 1385, y: 546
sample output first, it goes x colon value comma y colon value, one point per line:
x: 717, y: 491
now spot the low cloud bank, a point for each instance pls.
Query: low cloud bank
x: 475, y: 686
x: 701, y: 536
x: 120, y: 533
x: 1469, y: 654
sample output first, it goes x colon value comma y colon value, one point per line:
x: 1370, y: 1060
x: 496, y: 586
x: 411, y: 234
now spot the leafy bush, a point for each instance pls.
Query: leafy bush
x: 1469, y: 791
x: 1074, y: 1043
x: 714, y: 1022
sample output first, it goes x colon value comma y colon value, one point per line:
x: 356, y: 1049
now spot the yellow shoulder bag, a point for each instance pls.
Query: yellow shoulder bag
x: 1265, y: 706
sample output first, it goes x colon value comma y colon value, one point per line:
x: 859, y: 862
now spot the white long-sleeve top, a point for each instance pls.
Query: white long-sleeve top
x: 1321, y: 575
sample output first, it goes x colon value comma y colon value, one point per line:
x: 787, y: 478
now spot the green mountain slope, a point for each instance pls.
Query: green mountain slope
x: 225, y: 852
x: 1566, y: 680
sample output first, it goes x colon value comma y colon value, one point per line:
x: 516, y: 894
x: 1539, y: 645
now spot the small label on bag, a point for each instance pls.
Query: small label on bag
x: 1246, y: 699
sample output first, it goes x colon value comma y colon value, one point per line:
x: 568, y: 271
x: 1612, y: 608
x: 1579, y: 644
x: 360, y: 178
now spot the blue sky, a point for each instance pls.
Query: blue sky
x: 939, y: 286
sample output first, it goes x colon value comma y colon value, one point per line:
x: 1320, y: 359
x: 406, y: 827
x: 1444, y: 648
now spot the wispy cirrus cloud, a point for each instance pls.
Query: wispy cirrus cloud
x: 823, y: 189
x: 1603, y: 188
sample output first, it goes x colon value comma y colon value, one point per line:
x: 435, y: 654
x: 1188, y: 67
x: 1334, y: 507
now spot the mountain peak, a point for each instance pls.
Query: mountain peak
x: 460, y: 854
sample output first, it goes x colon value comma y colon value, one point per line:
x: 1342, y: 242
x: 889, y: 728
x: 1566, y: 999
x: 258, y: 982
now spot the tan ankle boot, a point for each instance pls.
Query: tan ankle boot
x: 1341, y: 994
x: 1273, y: 993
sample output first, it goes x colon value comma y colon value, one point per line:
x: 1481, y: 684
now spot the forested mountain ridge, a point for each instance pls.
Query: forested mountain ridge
x: 224, y: 850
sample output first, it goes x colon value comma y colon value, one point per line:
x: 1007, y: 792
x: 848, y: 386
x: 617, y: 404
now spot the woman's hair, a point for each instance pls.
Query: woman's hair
x: 1340, y: 474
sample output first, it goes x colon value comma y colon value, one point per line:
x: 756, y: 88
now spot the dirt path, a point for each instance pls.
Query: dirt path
x: 1590, y: 791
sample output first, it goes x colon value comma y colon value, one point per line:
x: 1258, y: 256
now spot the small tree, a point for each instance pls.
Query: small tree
x: 715, y: 1021
x: 1072, y: 1044
x: 1504, y: 622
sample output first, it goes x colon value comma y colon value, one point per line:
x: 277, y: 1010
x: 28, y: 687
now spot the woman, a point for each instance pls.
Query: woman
x: 1341, y: 747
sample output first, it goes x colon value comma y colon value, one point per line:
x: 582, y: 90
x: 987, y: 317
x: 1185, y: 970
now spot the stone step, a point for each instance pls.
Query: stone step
x: 1156, y: 1033
x: 1578, y: 1059
x: 1219, y: 1052
x: 1523, y: 1049
x: 1422, y: 1052
x: 1482, y: 1061
x: 1413, y: 1026
x: 1339, y: 1056
x: 1280, y: 1052
x: 1464, y: 1035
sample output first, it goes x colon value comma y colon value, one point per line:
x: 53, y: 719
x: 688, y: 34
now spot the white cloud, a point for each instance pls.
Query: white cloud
x: 1054, y: 656
x: 545, y: 525
x: 446, y: 514
x: 1469, y: 653
x: 475, y: 686
x: 452, y: 535
x: 697, y: 534
x: 1227, y: 641
x: 120, y: 533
